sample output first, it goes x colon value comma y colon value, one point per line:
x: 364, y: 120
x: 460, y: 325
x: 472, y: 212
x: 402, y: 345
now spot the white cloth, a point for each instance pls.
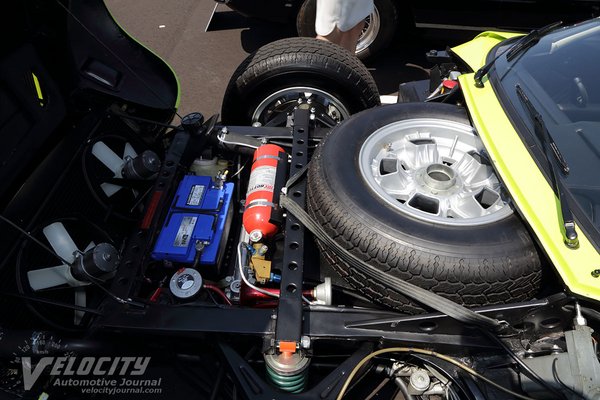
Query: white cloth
x: 344, y: 14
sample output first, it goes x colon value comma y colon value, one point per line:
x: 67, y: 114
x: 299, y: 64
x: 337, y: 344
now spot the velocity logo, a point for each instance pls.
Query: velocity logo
x: 84, y: 367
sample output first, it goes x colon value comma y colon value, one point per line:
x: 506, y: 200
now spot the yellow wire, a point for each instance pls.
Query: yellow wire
x: 429, y: 353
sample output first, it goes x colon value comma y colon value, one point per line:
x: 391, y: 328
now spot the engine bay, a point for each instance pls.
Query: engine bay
x: 305, y: 254
x: 208, y: 257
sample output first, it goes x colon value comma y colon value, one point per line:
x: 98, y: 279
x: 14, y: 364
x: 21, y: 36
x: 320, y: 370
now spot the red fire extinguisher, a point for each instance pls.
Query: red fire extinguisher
x: 261, y: 190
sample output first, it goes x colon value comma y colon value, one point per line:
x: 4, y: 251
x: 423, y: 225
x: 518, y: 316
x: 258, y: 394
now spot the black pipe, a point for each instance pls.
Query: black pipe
x: 16, y: 343
x: 403, y: 388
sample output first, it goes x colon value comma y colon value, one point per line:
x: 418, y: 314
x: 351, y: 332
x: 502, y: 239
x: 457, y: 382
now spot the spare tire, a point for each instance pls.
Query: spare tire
x: 408, y: 189
x: 298, y: 71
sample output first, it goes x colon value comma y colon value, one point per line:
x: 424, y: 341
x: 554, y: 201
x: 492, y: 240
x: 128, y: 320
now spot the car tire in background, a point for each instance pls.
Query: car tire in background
x: 472, y: 249
x: 379, y: 29
x: 290, y: 72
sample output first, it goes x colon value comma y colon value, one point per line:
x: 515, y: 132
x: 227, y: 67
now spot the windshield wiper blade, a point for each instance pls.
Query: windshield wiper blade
x: 550, y: 148
x: 542, y: 131
x: 523, y: 43
x: 530, y: 39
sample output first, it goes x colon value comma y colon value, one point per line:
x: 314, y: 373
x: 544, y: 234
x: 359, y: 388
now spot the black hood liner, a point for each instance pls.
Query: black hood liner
x: 109, y: 61
x: 60, y: 60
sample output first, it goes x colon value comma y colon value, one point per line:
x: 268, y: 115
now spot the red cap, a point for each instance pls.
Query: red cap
x: 449, y: 84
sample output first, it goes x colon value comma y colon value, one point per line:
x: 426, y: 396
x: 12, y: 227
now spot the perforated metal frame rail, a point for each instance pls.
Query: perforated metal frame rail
x: 289, y: 311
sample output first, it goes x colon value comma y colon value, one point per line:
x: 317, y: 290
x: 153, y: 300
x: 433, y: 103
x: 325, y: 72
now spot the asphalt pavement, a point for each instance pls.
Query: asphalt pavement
x: 205, y: 60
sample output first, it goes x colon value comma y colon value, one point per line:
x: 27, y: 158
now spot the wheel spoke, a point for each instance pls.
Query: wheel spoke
x: 466, y: 206
x: 420, y: 155
x: 398, y: 184
x: 473, y: 171
x: 446, y: 210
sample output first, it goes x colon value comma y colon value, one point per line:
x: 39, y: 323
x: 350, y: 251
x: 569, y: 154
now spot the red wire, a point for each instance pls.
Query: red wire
x: 218, y: 291
x: 155, y: 295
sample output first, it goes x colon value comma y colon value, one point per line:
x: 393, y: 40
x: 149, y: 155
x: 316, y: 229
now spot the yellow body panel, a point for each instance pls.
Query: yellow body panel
x: 529, y: 189
x: 475, y: 52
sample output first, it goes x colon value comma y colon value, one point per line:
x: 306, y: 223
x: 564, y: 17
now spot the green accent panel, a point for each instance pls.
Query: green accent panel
x: 38, y: 88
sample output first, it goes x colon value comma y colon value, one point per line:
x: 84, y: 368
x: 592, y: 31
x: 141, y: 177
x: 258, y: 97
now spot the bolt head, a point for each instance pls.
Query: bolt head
x: 256, y: 235
x: 305, y: 342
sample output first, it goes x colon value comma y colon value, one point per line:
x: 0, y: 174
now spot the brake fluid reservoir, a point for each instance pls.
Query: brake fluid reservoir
x: 208, y: 166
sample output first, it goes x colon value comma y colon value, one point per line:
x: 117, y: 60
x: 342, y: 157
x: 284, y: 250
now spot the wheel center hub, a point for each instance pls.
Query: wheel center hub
x: 439, y: 177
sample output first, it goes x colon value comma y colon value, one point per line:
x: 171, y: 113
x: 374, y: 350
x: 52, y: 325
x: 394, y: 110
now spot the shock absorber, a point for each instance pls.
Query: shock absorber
x: 287, y: 371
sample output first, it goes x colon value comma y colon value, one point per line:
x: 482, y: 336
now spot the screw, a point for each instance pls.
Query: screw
x: 305, y: 342
x: 556, y: 349
x: 263, y: 250
x: 596, y: 273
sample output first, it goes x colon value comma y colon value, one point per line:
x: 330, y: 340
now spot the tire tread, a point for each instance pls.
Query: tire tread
x: 332, y: 60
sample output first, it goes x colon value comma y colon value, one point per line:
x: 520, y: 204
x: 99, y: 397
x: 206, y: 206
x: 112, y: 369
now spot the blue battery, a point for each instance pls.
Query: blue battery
x: 198, y: 193
x: 200, y: 214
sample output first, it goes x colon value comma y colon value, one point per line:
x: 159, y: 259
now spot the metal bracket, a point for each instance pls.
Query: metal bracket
x: 289, y: 310
x: 139, y: 242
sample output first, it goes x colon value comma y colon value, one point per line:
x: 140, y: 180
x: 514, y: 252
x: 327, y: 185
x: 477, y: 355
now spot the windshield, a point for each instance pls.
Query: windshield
x: 559, y: 74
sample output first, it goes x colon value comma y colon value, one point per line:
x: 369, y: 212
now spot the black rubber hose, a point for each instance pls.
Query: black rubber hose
x: 403, y: 388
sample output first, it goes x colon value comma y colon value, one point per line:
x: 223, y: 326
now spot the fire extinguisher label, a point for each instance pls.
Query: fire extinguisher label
x: 184, y: 234
x: 262, y: 178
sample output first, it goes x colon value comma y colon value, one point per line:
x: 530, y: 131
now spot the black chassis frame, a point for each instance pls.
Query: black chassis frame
x: 291, y: 320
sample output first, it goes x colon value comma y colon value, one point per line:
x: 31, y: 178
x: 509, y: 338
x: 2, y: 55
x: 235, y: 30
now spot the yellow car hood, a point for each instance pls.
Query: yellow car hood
x: 531, y: 193
x: 475, y: 52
